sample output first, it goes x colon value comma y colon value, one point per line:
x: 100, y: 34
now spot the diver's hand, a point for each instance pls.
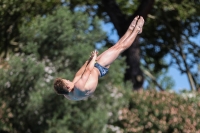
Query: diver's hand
x: 94, y: 54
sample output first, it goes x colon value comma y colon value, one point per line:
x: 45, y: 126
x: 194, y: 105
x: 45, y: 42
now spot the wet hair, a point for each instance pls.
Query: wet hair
x: 59, y: 85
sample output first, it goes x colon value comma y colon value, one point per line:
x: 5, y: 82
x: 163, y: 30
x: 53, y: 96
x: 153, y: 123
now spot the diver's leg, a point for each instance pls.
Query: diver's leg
x: 108, y: 56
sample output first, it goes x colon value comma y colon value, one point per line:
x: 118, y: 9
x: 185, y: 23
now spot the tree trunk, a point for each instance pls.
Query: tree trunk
x: 121, y: 23
x: 134, y: 72
x: 189, y: 75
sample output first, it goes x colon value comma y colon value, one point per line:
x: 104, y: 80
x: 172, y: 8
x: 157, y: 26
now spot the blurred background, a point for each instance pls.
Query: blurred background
x: 152, y: 87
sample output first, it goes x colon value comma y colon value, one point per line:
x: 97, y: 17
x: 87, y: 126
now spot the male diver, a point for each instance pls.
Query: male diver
x: 86, y: 79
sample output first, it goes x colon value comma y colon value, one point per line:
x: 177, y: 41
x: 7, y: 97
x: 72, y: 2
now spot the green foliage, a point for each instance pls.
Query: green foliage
x: 56, y: 45
x: 13, y: 13
x: 152, y: 111
x: 54, y: 42
x: 18, y: 81
x: 62, y: 36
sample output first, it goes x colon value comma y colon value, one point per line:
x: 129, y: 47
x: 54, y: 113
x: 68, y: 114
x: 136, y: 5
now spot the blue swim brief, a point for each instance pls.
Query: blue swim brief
x: 103, y: 70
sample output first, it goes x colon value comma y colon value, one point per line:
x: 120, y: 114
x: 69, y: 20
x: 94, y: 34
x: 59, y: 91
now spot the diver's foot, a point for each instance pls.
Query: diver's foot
x: 133, y: 23
x: 139, y: 25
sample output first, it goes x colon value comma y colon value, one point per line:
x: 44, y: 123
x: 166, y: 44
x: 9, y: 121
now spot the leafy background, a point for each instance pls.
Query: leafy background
x: 44, y: 40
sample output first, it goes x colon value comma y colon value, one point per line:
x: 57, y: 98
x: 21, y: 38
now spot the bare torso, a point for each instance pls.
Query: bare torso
x: 92, y: 81
x: 77, y: 94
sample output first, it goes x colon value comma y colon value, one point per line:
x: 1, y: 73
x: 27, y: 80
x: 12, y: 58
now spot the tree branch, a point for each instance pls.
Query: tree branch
x: 148, y: 74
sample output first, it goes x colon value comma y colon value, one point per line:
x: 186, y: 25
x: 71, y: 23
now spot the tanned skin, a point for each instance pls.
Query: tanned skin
x: 86, y: 79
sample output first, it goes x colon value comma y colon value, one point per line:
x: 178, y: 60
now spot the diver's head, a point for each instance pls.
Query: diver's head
x: 63, y: 86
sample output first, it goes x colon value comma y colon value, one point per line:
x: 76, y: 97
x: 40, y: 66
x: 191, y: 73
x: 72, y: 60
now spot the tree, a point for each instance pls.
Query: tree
x: 179, y: 19
x: 173, y: 24
x: 13, y: 13
x: 51, y: 46
x: 167, y: 31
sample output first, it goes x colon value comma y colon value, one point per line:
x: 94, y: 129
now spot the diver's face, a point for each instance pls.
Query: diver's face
x: 69, y: 86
